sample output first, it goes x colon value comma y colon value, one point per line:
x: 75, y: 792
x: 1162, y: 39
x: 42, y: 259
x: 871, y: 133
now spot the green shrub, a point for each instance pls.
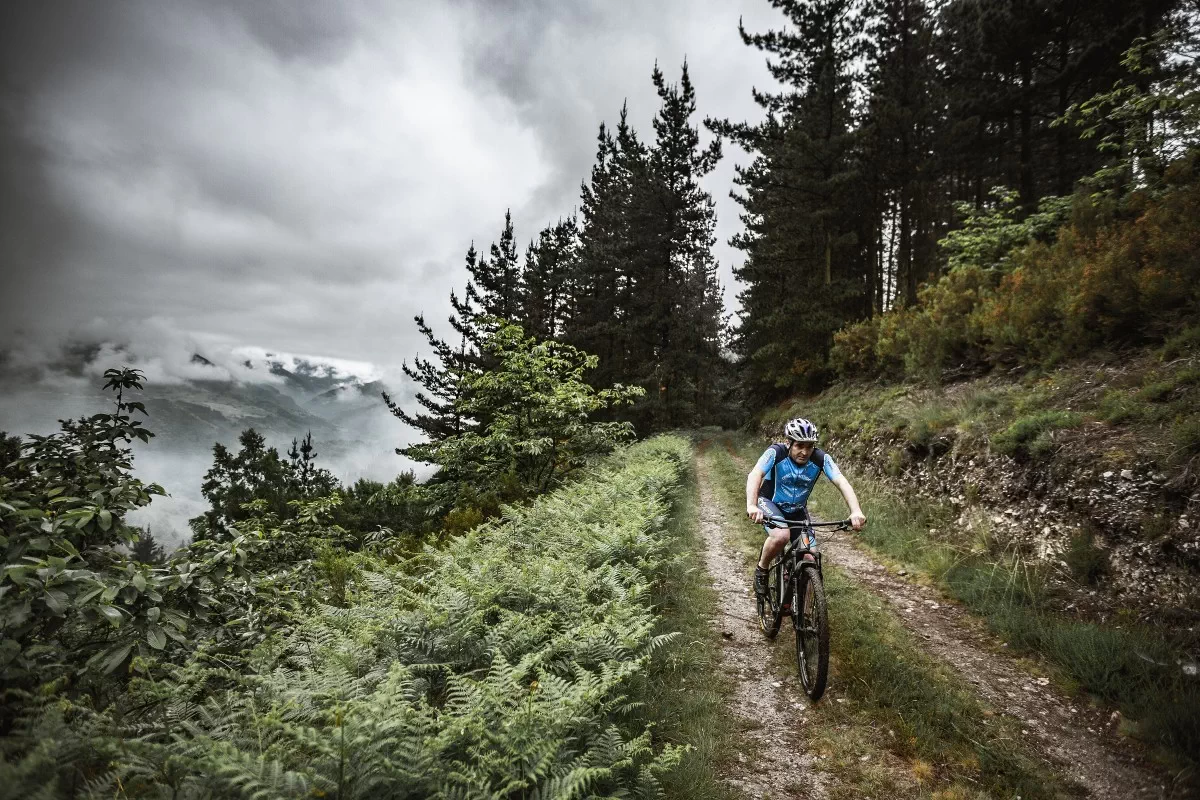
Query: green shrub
x: 1184, y: 343
x: 1185, y: 435
x: 503, y: 664
x: 1117, y: 406
x: 1157, y: 392
x: 1087, y: 562
x: 1108, y: 279
x: 1029, y: 436
x: 854, y: 350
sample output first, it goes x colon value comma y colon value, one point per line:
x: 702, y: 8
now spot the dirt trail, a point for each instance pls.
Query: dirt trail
x: 766, y: 706
x: 1078, y: 741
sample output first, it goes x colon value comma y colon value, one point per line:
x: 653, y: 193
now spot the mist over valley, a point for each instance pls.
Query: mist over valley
x: 195, y: 402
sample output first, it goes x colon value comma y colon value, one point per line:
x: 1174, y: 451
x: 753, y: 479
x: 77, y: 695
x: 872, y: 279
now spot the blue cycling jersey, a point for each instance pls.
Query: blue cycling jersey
x: 794, y: 482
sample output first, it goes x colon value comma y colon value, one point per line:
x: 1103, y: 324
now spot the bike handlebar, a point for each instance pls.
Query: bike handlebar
x: 781, y: 523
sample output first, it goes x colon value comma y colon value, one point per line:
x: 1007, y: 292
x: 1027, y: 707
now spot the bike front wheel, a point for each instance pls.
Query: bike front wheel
x: 810, y: 620
x: 770, y: 607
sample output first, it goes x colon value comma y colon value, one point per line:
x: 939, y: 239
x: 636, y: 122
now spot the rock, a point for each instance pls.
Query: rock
x: 1191, y: 670
x: 1127, y: 474
x: 1107, y: 475
x: 777, y: 684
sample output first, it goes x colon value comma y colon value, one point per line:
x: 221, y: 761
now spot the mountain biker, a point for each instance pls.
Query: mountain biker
x: 779, y: 486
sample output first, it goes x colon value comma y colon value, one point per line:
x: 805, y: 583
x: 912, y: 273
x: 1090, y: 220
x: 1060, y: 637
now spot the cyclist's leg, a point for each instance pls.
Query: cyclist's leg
x: 777, y: 538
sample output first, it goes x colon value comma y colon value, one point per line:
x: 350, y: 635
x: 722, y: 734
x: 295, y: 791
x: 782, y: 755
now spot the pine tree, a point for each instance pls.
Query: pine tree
x: 678, y: 307
x: 307, y: 479
x: 807, y: 270
x: 441, y: 381
x: 598, y: 310
x: 549, y: 264
x: 495, y: 286
x: 146, y: 549
x: 901, y: 134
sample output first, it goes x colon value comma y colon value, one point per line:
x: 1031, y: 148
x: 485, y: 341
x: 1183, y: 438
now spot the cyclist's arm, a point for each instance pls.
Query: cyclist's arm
x: 857, y: 518
x: 753, y: 483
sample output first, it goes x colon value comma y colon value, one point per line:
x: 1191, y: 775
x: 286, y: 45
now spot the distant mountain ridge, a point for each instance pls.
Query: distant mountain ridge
x: 283, y: 398
x: 300, y: 395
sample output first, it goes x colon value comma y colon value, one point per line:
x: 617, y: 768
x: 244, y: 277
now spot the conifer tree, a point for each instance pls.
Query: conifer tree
x: 807, y: 270
x: 495, y: 286
x: 601, y: 279
x: 146, y: 549
x: 549, y: 263
x: 900, y: 138
x: 679, y: 312
x: 441, y: 382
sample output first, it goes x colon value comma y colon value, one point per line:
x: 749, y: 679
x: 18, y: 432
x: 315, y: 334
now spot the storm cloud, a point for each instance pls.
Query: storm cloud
x: 305, y: 177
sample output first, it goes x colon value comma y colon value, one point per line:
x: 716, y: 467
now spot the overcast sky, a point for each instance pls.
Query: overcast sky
x: 304, y: 177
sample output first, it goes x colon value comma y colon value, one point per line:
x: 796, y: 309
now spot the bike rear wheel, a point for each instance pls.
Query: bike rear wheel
x: 770, y: 608
x: 810, y: 620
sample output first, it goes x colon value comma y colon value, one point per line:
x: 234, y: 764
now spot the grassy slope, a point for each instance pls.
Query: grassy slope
x: 1107, y: 416
x: 920, y: 733
x: 1127, y: 411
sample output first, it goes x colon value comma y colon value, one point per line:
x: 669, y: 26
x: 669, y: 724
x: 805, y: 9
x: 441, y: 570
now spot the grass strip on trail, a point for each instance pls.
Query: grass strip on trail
x: 683, y: 688
x: 912, y: 706
x: 1130, y: 667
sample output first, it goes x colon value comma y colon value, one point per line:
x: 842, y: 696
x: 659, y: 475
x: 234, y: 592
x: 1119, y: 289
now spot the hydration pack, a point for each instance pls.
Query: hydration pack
x: 767, y: 489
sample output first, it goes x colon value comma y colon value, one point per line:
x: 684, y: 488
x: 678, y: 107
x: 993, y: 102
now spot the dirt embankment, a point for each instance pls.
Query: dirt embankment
x: 1132, y: 521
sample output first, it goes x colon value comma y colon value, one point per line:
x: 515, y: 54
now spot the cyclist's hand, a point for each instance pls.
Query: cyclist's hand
x: 755, y: 513
x: 858, y: 521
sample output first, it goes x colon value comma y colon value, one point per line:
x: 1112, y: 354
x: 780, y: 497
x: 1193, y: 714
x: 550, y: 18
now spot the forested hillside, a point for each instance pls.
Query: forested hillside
x: 971, y: 256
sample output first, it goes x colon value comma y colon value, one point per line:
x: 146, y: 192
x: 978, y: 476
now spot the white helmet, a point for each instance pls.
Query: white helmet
x: 800, y: 430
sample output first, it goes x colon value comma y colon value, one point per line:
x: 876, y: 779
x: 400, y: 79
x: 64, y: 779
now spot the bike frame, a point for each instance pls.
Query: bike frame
x: 795, y: 555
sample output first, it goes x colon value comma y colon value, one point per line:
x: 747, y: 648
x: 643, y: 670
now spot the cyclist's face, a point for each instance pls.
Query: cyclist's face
x: 800, y: 451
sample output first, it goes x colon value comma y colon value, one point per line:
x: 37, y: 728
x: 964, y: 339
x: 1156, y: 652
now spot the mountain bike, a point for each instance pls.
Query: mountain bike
x: 795, y: 588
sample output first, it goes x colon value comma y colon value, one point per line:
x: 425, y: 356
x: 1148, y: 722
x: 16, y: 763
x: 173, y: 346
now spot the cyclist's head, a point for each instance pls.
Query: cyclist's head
x: 802, y: 438
x: 800, y: 430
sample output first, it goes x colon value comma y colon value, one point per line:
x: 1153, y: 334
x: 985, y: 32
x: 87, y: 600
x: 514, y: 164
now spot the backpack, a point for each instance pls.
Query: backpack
x: 767, y: 488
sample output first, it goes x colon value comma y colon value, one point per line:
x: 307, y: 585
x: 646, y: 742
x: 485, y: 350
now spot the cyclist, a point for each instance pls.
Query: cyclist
x: 779, y: 486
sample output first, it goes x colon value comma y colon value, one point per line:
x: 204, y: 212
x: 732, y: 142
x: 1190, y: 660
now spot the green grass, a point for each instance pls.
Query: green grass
x: 1131, y: 668
x: 913, y: 705
x: 1152, y: 394
x: 1030, y: 435
x: 684, y: 690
